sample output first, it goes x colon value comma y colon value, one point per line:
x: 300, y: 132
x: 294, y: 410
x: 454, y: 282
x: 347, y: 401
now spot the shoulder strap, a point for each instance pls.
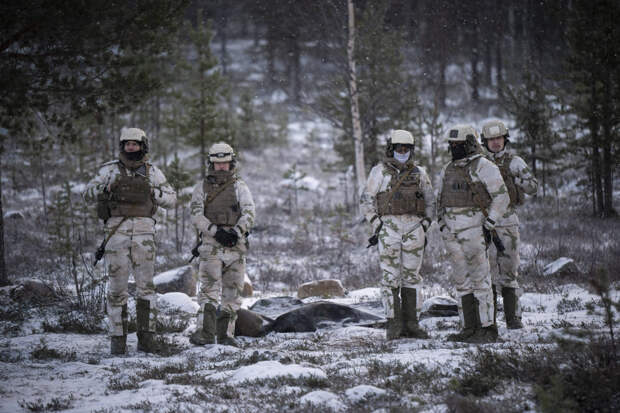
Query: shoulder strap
x: 121, y: 169
x: 218, y: 191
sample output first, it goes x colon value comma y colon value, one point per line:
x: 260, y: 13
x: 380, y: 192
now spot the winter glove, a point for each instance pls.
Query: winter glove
x: 372, y: 241
x: 233, y: 237
x: 226, y: 238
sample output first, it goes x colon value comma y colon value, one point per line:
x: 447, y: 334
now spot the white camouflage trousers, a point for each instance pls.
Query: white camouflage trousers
x: 221, y: 272
x: 505, y: 268
x: 130, y: 250
x: 471, y: 271
x: 401, y: 249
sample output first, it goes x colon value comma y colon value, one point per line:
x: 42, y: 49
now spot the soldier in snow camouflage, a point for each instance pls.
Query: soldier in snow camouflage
x: 399, y: 203
x: 222, y: 209
x: 471, y: 198
x: 519, y: 180
x: 128, y: 191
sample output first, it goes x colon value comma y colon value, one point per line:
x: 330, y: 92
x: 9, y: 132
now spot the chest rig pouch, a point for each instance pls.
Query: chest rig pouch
x: 459, y: 191
x: 514, y: 192
x: 406, y: 199
x: 221, y: 205
x: 131, y: 194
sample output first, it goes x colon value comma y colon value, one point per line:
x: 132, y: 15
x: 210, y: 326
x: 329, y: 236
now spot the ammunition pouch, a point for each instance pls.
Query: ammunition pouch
x: 407, y: 200
x: 223, y: 209
x: 131, y: 197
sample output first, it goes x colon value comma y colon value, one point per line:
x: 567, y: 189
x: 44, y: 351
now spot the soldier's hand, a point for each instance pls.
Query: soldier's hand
x: 426, y: 223
x: 372, y: 241
x: 233, y: 238
x: 221, y: 236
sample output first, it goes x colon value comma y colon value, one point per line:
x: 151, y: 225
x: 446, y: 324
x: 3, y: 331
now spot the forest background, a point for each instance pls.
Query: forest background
x: 191, y: 73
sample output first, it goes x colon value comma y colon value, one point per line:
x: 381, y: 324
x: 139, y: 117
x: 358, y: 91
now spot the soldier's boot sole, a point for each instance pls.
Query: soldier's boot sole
x: 411, y: 328
x: 471, y: 319
x: 118, y: 345
x: 461, y: 336
x: 484, y: 335
x: 393, y: 329
x: 148, y: 343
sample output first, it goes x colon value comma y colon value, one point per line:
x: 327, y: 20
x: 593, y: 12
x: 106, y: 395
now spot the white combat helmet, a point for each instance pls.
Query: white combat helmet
x: 459, y: 133
x: 133, y: 134
x: 221, y: 152
x: 401, y: 136
x: 493, y: 129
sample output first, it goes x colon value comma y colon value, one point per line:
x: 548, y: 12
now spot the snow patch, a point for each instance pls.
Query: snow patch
x: 178, y: 301
x: 323, y: 398
x: 268, y: 370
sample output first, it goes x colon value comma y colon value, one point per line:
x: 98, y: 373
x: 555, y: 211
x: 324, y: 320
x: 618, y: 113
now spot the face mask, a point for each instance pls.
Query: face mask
x: 134, y: 156
x: 402, y: 157
x: 458, y: 151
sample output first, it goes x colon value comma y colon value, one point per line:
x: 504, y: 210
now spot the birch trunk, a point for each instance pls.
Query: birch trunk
x: 360, y: 170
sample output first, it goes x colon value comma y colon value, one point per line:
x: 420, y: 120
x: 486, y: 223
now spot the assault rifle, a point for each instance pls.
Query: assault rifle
x: 195, y: 252
x: 101, y: 250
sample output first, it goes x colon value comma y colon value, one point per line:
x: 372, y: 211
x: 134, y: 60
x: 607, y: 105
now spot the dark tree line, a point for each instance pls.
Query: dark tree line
x: 73, y: 72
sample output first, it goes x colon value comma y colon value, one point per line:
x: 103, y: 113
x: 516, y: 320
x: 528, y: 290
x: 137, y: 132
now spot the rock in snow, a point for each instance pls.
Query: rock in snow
x: 179, y: 279
x: 562, y: 266
x: 321, y: 288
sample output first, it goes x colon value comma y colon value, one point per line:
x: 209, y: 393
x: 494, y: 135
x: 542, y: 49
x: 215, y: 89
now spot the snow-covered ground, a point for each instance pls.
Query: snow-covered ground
x: 349, y: 368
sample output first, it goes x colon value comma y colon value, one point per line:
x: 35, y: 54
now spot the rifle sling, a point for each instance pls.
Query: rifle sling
x: 215, y: 193
x: 395, y: 187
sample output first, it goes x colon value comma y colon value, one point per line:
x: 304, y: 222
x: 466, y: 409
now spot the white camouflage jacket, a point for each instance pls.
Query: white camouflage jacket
x: 202, y: 223
x: 524, y: 179
x: 379, y: 180
x: 482, y: 170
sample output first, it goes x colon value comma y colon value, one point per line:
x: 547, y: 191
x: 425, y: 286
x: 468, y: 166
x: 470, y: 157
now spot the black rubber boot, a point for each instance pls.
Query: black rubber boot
x: 223, y: 319
x: 206, y: 334
x: 510, y: 308
x: 146, y: 339
x: 118, y: 345
x: 394, y: 326
x: 471, y: 319
x: 411, y: 328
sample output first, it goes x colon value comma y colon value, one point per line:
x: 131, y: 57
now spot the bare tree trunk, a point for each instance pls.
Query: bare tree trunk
x: 4, y: 276
x: 475, y: 76
x: 607, y: 171
x: 360, y: 169
x: 596, y: 157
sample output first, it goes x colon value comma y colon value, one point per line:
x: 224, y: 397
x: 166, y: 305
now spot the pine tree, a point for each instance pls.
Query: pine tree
x: 594, y: 42
x: 179, y: 178
x: 204, y: 120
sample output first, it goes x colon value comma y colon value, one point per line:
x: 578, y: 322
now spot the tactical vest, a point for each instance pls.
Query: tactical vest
x: 456, y: 191
x: 514, y: 192
x: 131, y: 195
x: 408, y: 198
x: 224, y: 208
